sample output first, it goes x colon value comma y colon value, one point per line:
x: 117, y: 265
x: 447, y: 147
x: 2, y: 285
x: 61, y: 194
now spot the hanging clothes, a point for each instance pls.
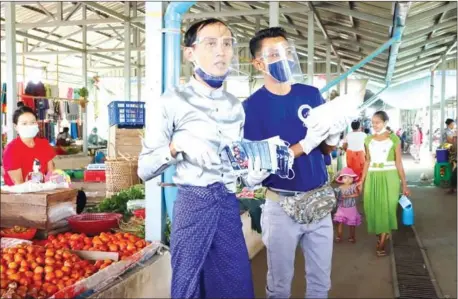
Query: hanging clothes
x: 42, y: 106
x: 74, y: 130
x: 4, y: 97
x: 70, y: 93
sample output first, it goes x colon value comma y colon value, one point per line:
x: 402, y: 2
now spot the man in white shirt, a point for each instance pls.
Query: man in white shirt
x: 354, y: 145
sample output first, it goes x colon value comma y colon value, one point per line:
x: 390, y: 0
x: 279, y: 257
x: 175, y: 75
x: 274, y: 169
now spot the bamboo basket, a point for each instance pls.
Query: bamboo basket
x: 121, y: 173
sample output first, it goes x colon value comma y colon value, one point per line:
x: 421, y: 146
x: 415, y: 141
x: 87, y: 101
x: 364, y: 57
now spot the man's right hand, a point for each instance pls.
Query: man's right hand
x: 195, y: 151
x: 316, y: 133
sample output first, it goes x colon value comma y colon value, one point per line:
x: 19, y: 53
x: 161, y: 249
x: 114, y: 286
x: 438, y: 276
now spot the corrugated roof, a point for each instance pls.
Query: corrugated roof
x: 355, y: 29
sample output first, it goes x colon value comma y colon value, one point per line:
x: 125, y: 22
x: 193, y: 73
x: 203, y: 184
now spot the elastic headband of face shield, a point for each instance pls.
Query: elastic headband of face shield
x: 282, y: 62
x: 223, y: 55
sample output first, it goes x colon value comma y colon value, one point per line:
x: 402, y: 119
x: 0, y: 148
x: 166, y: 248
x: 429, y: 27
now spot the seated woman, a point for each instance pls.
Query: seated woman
x: 26, y: 151
x: 64, y: 138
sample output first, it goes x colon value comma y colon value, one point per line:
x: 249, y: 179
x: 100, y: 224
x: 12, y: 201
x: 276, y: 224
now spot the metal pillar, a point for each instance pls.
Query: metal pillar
x: 338, y: 73
x: 328, y: 67
x: 274, y: 13
x: 311, y: 48
x: 155, y: 206
x: 137, y: 45
x: 346, y: 86
x: 442, y: 123
x: 431, y: 98
x: 11, y: 84
x: 127, y: 66
x: 84, y: 78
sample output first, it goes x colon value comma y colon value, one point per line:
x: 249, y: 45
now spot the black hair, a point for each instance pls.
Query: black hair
x: 449, y: 121
x: 66, y: 129
x: 355, y: 125
x: 382, y: 115
x: 191, y: 34
x: 20, y: 104
x: 367, y: 130
x: 22, y: 110
x: 256, y: 41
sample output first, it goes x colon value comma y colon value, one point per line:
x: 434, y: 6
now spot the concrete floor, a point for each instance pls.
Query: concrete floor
x: 358, y: 273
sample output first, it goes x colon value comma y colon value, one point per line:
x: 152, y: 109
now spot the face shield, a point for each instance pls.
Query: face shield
x: 215, y: 59
x: 282, y: 63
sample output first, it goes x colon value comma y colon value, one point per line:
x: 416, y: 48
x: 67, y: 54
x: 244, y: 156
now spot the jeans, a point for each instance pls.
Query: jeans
x: 281, y: 235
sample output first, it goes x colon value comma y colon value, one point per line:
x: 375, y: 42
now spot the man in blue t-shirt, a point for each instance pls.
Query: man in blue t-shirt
x: 273, y: 111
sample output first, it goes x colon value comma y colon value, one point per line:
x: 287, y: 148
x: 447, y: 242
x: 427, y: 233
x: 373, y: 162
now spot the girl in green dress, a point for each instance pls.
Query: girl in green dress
x: 382, y: 178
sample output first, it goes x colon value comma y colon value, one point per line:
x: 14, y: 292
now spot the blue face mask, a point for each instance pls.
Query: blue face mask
x: 213, y: 81
x: 279, y: 72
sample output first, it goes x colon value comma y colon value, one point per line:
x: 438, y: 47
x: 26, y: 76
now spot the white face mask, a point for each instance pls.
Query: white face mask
x: 27, y: 131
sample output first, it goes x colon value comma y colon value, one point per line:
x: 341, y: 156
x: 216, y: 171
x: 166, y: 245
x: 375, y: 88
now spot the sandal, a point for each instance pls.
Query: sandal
x: 352, y: 240
x: 381, y: 253
x: 338, y: 239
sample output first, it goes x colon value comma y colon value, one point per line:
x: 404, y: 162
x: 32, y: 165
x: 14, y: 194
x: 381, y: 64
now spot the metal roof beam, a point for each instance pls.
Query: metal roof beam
x: 428, y: 52
x: 114, y: 14
x: 356, y: 14
x: 417, y: 34
x: 428, y: 14
x: 449, y: 49
x: 238, y: 12
x: 65, y: 23
x: 429, y: 41
x: 369, y: 35
x: 47, y: 12
x: 325, y: 33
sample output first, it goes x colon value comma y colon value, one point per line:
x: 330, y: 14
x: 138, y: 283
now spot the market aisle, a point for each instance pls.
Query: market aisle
x: 356, y: 271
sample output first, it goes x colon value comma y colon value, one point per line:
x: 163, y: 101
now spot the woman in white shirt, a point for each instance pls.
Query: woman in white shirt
x: 354, y: 145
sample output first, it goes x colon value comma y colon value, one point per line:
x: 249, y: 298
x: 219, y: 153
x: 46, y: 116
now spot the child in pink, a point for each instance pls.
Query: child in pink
x: 347, y: 213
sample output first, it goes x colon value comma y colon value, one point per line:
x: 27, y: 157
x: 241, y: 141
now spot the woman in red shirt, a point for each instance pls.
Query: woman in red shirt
x: 21, y: 154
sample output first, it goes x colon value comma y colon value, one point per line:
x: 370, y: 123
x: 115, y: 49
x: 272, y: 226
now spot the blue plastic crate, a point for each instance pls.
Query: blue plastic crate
x: 127, y: 114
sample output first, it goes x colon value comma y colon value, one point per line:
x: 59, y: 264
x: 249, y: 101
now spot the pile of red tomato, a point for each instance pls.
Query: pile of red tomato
x: 39, y: 272
x: 124, y: 243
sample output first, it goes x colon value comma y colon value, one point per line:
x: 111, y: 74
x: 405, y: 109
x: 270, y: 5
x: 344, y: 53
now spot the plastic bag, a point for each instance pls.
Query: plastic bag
x: 31, y: 187
x: 11, y: 242
x: 61, y: 211
x: 135, y: 204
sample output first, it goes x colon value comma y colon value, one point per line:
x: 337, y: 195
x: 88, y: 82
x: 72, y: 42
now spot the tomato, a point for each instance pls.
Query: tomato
x: 50, y: 276
x: 68, y: 264
x: 75, y: 276
x: 33, y: 265
x: 24, y: 281
x: 24, y: 264
x: 8, y: 257
x: 65, y: 269
x: 10, y: 271
x: 97, y: 241
x: 59, y: 273
x: 51, y: 289
x: 50, y: 253
x: 29, y: 249
x: 38, y: 270
x: 13, y: 265
x: 130, y: 246
x: 51, y: 237
x: 140, y: 243
x: 65, y: 278
x: 29, y: 274
x: 4, y: 283
x: 61, y: 285
x: 69, y: 282
x: 113, y: 248
x: 50, y: 261
x: 14, y: 277
x: 40, y: 260
x: 49, y: 269
x: 87, y: 241
x: 66, y: 255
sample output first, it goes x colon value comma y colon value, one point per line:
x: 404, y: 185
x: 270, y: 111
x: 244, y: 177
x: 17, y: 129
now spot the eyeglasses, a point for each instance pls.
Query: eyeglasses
x: 214, y: 43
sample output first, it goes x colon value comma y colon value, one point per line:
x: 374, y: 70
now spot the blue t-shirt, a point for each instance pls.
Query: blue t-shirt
x: 269, y: 115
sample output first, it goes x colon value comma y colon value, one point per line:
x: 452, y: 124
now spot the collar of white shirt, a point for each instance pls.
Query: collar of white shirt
x: 206, y: 91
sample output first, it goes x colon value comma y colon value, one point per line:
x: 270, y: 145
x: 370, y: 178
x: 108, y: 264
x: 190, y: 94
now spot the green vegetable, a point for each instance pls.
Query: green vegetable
x: 118, y: 203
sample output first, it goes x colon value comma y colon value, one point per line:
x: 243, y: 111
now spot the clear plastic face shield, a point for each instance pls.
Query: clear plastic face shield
x: 282, y: 63
x: 215, y: 59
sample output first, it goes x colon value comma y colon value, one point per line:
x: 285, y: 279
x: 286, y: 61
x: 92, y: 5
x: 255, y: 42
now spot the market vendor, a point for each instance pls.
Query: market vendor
x: 188, y: 126
x: 64, y: 138
x: 28, y: 156
x: 95, y: 140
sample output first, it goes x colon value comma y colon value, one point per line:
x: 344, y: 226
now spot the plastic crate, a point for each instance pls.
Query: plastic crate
x: 94, y: 176
x: 127, y: 114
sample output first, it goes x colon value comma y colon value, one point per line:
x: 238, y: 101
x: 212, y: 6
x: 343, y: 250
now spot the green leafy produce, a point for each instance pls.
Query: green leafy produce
x: 118, y: 203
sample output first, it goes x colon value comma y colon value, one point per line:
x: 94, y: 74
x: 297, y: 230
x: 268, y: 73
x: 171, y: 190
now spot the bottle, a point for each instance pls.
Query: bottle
x: 35, y: 176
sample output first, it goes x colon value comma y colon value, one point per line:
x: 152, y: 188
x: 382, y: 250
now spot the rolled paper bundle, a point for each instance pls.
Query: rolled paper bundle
x: 337, y: 114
